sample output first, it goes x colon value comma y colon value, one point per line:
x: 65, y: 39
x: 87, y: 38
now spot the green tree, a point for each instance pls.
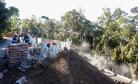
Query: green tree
x: 14, y: 19
x: 25, y: 25
x: 119, y: 39
x: 14, y: 11
x: 77, y: 26
x: 4, y: 18
x: 49, y: 27
x: 33, y: 26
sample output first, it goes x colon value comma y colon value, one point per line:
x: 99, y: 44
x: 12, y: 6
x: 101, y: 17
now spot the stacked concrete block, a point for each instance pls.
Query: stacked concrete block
x: 17, y: 52
x: 22, y: 50
x: 12, y: 53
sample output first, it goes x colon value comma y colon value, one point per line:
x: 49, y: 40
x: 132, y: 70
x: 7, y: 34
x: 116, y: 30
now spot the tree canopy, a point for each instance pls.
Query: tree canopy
x: 5, y: 15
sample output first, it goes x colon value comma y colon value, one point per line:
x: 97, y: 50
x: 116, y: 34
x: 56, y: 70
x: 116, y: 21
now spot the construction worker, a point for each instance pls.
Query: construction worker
x: 15, y: 39
x: 26, y: 38
x: 44, y: 51
x: 53, y: 50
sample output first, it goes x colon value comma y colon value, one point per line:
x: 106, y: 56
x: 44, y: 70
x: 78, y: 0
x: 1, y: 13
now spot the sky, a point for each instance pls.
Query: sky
x: 54, y: 9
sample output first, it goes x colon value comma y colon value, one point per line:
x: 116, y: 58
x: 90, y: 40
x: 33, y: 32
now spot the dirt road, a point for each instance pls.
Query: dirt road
x: 3, y: 45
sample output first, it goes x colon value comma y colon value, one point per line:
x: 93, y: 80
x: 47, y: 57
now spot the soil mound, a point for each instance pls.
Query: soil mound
x: 67, y: 68
x: 72, y: 69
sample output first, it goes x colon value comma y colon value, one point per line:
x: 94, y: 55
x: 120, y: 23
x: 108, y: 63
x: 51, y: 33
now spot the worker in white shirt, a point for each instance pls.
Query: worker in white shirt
x: 53, y: 50
x: 44, y: 51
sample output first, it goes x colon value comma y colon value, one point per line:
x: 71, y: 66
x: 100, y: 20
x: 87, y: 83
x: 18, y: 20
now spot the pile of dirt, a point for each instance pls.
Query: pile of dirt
x: 73, y: 69
x: 68, y: 68
x: 39, y: 75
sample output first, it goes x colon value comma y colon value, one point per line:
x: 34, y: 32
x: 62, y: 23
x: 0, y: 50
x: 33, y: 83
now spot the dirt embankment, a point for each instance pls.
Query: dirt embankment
x: 68, y: 68
x: 72, y: 69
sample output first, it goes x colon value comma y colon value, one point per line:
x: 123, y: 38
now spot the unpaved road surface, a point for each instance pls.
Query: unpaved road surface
x: 3, y: 45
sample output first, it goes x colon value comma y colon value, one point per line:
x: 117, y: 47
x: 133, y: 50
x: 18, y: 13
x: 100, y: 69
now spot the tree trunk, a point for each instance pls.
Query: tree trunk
x: 134, y: 71
x: 1, y: 36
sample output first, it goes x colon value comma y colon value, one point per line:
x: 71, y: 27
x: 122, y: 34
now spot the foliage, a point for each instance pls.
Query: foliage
x: 117, y: 36
x: 8, y: 18
x: 77, y: 26
x: 4, y: 17
x: 14, y: 11
x: 14, y: 19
